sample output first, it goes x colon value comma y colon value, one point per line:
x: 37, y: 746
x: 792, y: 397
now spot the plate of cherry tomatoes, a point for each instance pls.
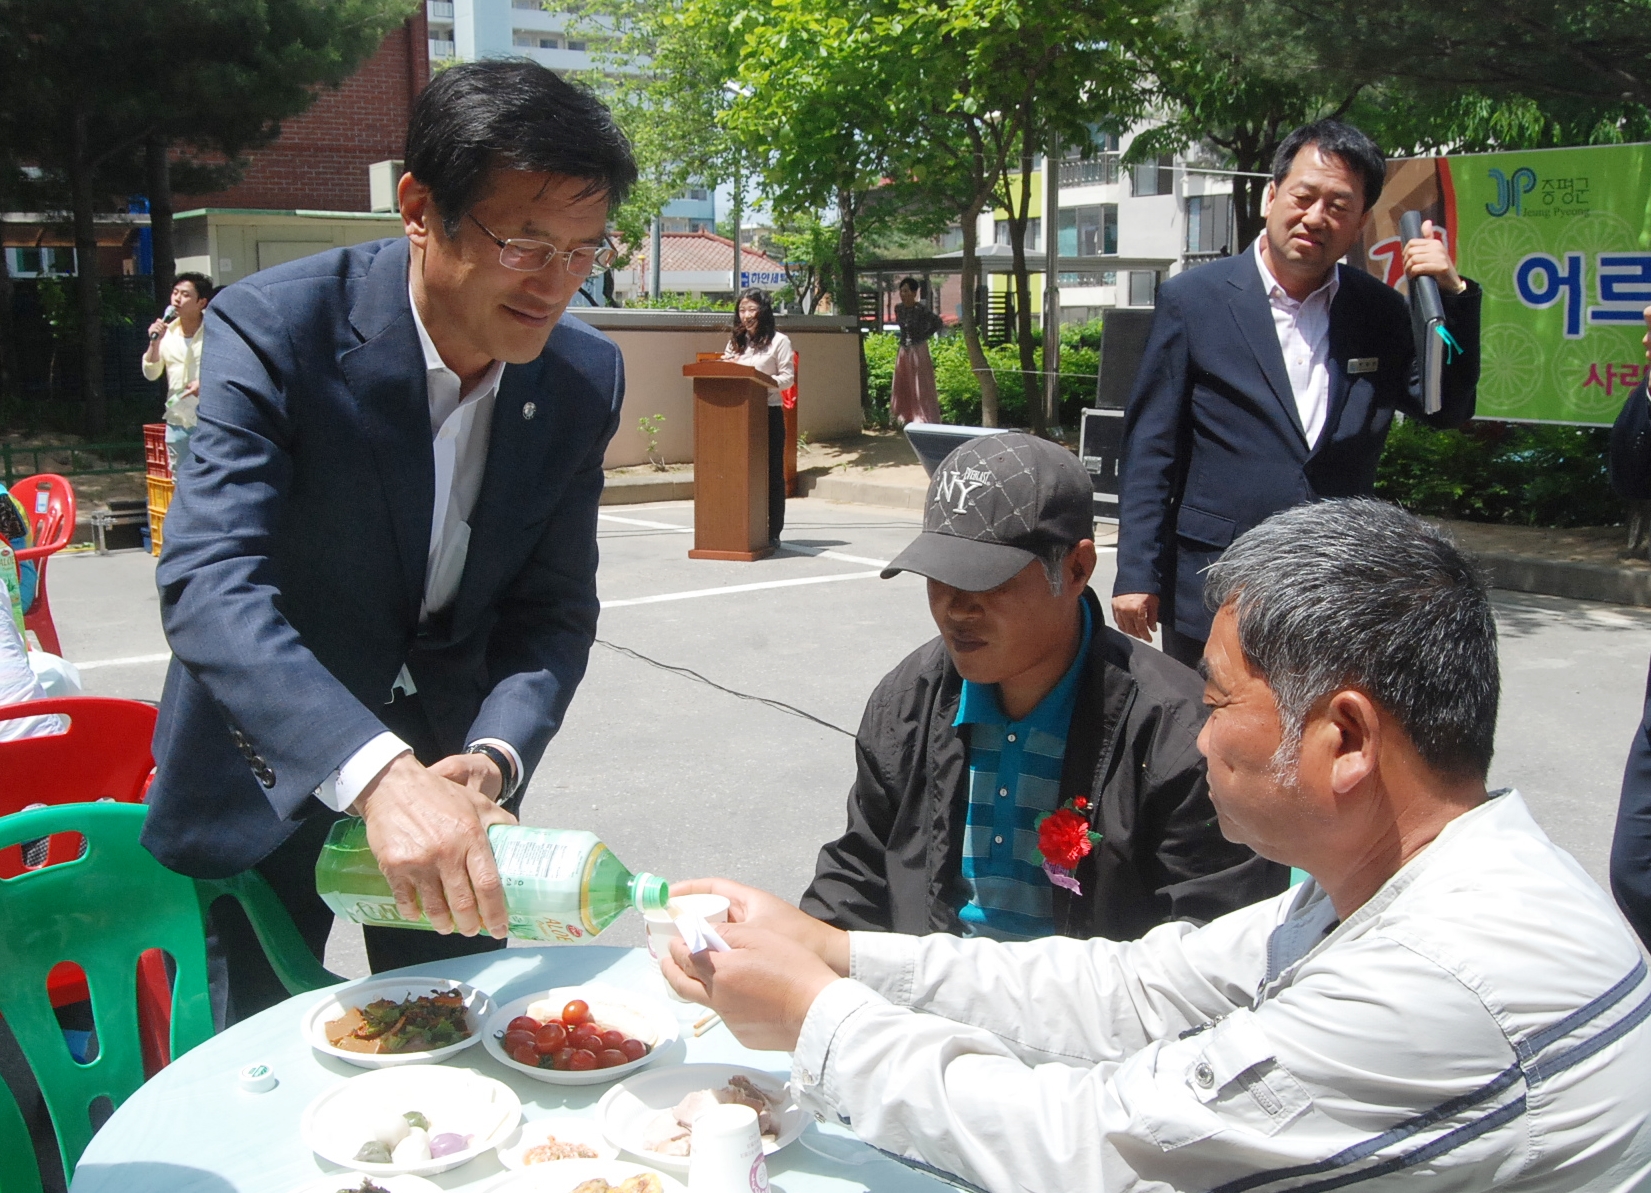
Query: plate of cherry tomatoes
x: 580, y: 1035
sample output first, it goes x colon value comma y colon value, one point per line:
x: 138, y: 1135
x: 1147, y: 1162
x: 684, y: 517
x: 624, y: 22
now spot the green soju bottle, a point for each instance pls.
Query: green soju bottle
x: 560, y: 885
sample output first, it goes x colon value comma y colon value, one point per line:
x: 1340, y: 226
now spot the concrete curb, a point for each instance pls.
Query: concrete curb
x: 1566, y: 578
x: 861, y: 492
x: 637, y: 490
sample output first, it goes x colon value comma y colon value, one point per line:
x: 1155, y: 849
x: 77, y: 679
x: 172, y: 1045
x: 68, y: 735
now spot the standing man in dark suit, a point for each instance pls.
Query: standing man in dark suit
x: 379, y: 577
x: 1270, y: 379
x: 1631, y: 842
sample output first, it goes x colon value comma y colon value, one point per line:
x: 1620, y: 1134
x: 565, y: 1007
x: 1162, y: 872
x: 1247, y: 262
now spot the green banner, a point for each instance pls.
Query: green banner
x: 1560, y: 241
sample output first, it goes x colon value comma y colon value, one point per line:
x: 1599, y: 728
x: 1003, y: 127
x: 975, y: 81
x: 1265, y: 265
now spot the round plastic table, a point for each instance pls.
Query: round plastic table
x: 191, y: 1129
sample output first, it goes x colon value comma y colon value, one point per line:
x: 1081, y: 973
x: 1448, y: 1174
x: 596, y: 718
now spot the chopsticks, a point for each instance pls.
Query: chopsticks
x: 706, y: 1023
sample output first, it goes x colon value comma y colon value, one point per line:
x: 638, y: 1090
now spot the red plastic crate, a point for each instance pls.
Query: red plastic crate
x: 154, y: 450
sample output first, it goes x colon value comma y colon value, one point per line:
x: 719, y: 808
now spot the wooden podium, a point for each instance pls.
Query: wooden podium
x: 730, y: 461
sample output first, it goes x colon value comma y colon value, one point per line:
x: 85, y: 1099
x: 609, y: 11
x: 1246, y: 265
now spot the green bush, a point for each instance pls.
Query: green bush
x: 959, y: 391
x: 679, y: 302
x: 1511, y: 473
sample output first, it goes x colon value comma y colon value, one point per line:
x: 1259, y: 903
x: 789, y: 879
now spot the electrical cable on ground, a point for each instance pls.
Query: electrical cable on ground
x: 780, y: 705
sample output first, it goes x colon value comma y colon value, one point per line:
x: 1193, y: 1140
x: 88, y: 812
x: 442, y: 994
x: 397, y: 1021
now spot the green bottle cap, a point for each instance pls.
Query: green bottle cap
x: 650, y: 892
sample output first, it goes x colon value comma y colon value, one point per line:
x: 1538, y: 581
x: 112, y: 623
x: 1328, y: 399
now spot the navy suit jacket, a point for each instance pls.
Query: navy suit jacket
x: 1631, y: 843
x: 295, y: 549
x: 1213, y: 442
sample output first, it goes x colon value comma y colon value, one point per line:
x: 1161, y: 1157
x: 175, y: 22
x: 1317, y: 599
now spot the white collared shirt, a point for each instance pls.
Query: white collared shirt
x: 1304, y: 337
x: 460, y: 427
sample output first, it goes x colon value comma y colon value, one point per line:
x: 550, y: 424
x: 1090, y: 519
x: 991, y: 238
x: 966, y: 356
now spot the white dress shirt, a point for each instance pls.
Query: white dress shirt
x: 460, y: 426
x: 1304, y: 336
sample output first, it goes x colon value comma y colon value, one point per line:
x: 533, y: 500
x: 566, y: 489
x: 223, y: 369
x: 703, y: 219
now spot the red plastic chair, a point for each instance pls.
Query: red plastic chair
x: 49, y: 504
x: 103, y: 755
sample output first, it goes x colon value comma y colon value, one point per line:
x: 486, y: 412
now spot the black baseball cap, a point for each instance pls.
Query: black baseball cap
x: 994, y: 505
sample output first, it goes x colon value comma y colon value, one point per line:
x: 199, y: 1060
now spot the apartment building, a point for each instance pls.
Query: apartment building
x: 1122, y: 230
x: 468, y: 30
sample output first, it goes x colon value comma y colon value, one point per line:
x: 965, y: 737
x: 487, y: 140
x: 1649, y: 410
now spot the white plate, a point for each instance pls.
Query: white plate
x: 626, y: 1110
x: 338, y: 1121
x: 349, y: 1182
x: 567, y: 1175
x: 565, y: 1128
x: 638, y: 1015
x: 478, y: 1010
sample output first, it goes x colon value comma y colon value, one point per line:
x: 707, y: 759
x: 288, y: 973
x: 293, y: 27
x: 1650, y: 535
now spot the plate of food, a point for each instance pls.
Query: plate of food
x: 589, y: 1176
x: 558, y: 1139
x: 580, y: 1035
x: 354, y: 1182
x: 420, y: 1119
x: 385, y: 1022
x: 651, y: 1115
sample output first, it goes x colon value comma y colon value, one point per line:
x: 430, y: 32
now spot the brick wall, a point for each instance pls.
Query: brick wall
x: 320, y: 160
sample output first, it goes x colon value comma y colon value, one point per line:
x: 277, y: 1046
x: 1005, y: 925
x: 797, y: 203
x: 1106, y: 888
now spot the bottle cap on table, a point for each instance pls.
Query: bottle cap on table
x: 257, y: 1078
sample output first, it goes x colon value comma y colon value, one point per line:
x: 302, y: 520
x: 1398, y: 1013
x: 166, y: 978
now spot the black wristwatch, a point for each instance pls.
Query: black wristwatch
x: 508, y: 778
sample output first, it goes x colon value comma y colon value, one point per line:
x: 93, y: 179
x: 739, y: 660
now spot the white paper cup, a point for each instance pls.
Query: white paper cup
x: 713, y: 909
x: 727, y: 1153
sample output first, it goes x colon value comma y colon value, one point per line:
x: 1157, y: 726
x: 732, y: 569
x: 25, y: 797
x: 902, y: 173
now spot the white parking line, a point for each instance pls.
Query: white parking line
x: 731, y: 588
x: 646, y: 524
x: 129, y: 661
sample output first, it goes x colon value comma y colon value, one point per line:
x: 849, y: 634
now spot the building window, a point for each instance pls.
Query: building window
x: 578, y: 47
x: 525, y: 41
x: 1209, y: 223
x: 529, y: 5
x: 1143, y: 287
x: 698, y: 194
x: 1087, y: 277
x: 1089, y: 231
x: 41, y: 263
x: 1002, y: 233
x: 1156, y: 177
x: 550, y: 43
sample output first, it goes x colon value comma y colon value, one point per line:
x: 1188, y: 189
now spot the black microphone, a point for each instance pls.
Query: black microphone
x: 1423, y: 290
x: 1427, y: 321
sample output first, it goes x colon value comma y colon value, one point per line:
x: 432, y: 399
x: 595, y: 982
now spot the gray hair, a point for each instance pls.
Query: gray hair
x: 1360, y: 594
x: 1052, y: 559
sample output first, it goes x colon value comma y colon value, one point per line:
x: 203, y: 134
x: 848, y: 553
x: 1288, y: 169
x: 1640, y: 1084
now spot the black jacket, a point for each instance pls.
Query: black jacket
x: 1131, y: 748
x: 1213, y: 442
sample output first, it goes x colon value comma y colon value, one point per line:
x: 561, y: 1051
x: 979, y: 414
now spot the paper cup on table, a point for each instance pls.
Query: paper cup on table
x: 727, y: 1152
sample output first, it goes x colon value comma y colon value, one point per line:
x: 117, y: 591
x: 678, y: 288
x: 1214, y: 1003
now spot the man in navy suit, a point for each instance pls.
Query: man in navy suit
x: 1270, y: 379
x: 379, y: 576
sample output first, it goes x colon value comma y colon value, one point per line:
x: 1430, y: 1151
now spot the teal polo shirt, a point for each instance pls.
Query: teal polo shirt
x: 1014, y: 778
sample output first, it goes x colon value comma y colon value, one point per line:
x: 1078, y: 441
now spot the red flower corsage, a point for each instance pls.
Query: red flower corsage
x: 1064, y: 840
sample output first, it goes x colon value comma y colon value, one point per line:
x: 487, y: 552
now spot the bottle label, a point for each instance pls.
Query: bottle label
x: 545, y: 872
x: 535, y: 857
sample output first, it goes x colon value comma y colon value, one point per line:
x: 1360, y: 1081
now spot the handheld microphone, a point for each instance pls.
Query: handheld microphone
x: 1427, y: 322
x: 166, y: 315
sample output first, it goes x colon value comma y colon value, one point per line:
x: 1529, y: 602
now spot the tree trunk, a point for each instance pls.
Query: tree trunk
x: 848, y: 296
x: 1019, y: 214
x: 159, y: 181
x: 86, y: 284
x: 970, y: 220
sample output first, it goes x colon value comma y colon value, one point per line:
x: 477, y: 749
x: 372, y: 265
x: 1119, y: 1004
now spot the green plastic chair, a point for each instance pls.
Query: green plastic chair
x: 101, y: 911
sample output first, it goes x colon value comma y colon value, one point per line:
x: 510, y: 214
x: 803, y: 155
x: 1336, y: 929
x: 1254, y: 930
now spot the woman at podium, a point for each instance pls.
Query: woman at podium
x: 754, y: 342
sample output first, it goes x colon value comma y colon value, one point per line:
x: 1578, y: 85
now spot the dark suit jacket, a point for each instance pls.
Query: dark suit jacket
x: 1213, y: 443
x: 295, y: 550
x: 1631, y: 843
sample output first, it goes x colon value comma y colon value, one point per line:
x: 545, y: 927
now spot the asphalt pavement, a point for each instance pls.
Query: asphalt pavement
x: 712, y: 732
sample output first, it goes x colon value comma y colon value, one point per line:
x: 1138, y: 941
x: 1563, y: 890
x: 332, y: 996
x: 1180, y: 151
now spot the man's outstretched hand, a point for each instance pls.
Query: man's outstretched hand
x: 762, y: 988
x: 758, y: 909
x: 427, y: 827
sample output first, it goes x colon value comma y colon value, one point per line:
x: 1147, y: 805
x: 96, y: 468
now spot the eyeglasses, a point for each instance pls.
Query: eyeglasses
x: 530, y: 256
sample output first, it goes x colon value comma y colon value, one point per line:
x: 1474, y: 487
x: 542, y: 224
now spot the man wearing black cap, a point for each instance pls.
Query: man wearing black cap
x: 1030, y: 771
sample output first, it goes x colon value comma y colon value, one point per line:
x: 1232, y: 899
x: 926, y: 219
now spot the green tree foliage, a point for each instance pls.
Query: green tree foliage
x: 86, y: 88
x: 1501, y: 472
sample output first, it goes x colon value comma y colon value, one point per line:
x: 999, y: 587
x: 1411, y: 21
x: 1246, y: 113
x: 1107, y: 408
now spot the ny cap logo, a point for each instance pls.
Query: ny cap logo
x: 951, y: 484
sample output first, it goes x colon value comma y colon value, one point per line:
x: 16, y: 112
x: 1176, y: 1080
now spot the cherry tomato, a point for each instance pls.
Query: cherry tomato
x: 634, y: 1049
x: 613, y: 1039
x: 562, y: 1058
x: 576, y: 1011
x: 584, y: 1037
x: 517, y: 1039
x: 550, y: 1037
x: 610, y: 1058
x: 525, y: 1055
x: 582, y: 1060
x: 523, y: 1023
